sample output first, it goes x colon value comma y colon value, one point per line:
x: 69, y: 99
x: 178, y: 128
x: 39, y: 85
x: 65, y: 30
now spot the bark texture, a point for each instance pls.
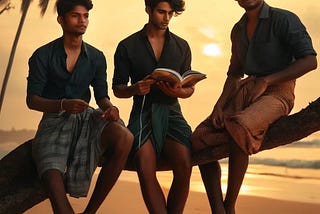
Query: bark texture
x: 20, y: 188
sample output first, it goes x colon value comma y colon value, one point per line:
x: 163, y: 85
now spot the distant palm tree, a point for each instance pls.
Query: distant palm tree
x: 43, y: 4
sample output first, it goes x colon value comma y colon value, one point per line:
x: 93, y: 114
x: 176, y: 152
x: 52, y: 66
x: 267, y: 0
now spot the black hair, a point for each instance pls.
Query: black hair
x: 177, y: 5
x: 64, y: 6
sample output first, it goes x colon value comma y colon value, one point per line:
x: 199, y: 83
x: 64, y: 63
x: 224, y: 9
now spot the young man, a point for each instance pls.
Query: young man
x: 273, y: 48
x: 156, y: 121
x: 72, y: 136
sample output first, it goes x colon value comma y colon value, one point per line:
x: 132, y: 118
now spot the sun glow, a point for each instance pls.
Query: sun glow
x: 211, y: 49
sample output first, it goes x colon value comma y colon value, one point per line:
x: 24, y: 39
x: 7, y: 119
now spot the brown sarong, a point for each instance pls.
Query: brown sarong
x: 245, y: 121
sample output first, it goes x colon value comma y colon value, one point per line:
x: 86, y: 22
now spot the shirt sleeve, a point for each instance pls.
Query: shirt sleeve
x: 294, y: 33
x: 121, y: 66
x: 99, y: 83
x: 38, y: 74
x: 235, y: 67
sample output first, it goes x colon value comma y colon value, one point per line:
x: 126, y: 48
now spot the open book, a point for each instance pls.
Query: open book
x: 189, y: 78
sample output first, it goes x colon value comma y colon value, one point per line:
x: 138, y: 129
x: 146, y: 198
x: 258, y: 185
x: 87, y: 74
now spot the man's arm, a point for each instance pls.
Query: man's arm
x: 38, y: 103
x: 110, y: 112
x: 173, y: 91
x: 142, y: 87
x: 297, y: 69
x: 230, y: 88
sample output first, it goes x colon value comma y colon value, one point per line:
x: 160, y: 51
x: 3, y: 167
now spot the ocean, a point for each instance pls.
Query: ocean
x: 290, y: 172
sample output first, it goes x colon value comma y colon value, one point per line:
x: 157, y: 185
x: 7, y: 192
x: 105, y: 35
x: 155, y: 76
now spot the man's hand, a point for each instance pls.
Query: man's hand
x: 142, y: 87
x: 74, y: 105
x: 112, y: 114
x: 168, y: 89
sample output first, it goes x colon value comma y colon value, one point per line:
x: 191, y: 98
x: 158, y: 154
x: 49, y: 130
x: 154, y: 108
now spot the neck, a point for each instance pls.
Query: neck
x: 152, y: 31
x: 72, y: 42
x: 254, y: 13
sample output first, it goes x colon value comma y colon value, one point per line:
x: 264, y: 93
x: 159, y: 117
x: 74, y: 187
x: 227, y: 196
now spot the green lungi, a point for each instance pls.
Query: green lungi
x: 157, y: 123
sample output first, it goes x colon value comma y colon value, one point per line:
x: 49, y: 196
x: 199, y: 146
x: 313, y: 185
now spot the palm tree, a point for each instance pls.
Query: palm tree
x: 43, y: 4
x: 7, y: 5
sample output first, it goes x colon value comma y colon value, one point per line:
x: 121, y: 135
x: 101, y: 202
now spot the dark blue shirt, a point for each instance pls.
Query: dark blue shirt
x: 49, y: 78
x: 279, y: 39
x: 134, y: 59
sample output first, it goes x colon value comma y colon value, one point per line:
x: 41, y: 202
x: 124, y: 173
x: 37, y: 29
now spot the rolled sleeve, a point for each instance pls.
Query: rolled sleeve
x: 37, y: 78
x: 297, y: 37
x: 121, y: 66
x: 99, y: 82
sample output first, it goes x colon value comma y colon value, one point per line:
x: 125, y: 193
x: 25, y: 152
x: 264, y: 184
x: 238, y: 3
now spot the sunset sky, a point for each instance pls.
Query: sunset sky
x: 205, y: 24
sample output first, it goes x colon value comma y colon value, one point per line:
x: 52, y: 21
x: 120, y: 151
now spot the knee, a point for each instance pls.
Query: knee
x: 127, y: 136
x: 123, y: 137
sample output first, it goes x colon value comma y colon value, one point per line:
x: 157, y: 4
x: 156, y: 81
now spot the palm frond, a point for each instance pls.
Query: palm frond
x: 43, y: 4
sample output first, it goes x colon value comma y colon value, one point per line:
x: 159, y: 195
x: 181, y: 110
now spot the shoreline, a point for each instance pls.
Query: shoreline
x: 126, y: 197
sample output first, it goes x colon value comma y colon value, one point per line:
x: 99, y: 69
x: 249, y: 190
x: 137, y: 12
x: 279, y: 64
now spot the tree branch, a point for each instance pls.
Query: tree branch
x: 7, y: 7
x: 20, y: 188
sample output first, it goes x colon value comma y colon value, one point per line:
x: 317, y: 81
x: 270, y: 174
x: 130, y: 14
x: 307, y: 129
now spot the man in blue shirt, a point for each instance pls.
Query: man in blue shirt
x: 72, y: 136
x: 273, y: 48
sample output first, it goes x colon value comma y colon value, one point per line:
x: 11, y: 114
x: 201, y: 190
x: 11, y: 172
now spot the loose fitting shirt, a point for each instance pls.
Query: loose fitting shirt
x: 161, y: 114
x: 279, y: 39
x: 49, y: 77
x: 134, y: 59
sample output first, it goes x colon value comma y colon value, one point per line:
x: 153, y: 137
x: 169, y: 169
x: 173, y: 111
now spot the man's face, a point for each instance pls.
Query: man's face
x: 161, y: 15
x: 75, y: 21
x: 249, y: 4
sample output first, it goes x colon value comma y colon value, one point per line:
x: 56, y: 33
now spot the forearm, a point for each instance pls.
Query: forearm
x: 123, y: 91
x: 38, y: 103
x: 186, y: 92
x: 104, y: 104
x: 230, y: 88
x: 294, y: 71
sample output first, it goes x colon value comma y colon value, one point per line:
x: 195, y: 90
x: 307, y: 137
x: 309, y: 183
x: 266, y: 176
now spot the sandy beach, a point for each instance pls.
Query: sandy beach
x: 126, y: 197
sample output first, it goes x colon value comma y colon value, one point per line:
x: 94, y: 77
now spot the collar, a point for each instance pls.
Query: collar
x: 264, y: 14
x: 84, y: 47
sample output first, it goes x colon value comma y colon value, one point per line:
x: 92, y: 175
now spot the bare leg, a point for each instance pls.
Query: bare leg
x: 206, y: 135
x: 211, y: 177
x: 150, y: 187
x: 238, y: 163
x: 182, y: 168
x: 119, y: 142
x: 53, y: 182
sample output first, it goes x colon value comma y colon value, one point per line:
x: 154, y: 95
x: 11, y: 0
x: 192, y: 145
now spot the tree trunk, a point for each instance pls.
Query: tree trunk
x: 13, y: 51
x: 20, y: 188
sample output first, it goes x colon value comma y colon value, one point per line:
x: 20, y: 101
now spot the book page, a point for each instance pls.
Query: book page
x: 167, y: 75
x: 192, y: 72
x: 165, y: 70
x: 191, y: 77
x: 191, y: 80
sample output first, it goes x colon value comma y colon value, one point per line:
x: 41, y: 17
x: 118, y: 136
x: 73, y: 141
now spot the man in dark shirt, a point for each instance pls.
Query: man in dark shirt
x: 72, y: 136
x: 156, y: 120
x: 273, y: 48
